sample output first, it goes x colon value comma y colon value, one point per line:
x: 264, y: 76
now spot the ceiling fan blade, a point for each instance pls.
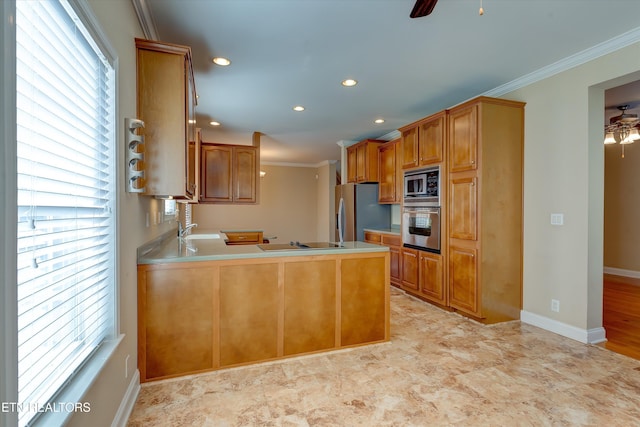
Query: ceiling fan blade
x: 423, y: 8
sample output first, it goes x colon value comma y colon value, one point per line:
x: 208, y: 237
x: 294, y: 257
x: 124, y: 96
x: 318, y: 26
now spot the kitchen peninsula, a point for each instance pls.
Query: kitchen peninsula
x: 204, y: 305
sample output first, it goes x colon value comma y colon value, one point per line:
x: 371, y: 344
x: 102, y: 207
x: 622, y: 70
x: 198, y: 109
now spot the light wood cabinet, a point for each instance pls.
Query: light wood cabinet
x: 362, y: 161
x: 463, y: 269
x: 229, y: 173
x: 423, y: 141
x: 249, y: 308
x: 390, y: 172
x: 485, y: 149
x: 207, y: 315
x: 463, y: 202
x: 175, y: 323
x: 410, y: 265
x: 166, y: 101
x: 423, y: 275
x: 394, y: 243
x: 431, y: 280
x: 463, y: 138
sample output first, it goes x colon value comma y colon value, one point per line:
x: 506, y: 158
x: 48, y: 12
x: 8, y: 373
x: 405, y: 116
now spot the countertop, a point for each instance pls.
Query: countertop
x: 392, y: 230
x: 168, y: 248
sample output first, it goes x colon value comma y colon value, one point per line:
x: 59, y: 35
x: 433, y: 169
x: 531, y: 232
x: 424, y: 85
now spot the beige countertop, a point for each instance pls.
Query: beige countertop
x: 168, y: 248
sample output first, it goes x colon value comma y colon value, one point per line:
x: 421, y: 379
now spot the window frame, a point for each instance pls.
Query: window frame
x: 86, y: 376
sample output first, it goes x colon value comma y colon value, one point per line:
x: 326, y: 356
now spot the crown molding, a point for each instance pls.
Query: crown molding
x: 300, y: 165
x: 394, y: 134
x: 145, y: 17
x: 594, y: 52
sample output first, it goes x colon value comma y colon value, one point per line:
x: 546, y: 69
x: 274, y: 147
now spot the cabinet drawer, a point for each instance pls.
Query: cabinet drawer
x: 391, y: 240
x: 372, y: 237
x: 248, y: 238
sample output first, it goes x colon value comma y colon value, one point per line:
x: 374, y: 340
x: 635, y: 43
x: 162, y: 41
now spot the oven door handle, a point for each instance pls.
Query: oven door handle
x: 422, y: 210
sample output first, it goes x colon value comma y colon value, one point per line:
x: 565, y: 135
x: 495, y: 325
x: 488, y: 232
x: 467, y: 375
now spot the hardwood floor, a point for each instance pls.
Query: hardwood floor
x: 621, y: 314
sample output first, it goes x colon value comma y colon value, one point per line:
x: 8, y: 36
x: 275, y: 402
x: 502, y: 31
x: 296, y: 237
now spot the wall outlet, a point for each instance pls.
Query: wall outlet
x: 555, y: 305
x: 557, y: 219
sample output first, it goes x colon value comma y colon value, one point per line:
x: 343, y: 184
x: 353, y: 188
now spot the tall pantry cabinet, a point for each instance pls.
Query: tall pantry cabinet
x: 485, y: 156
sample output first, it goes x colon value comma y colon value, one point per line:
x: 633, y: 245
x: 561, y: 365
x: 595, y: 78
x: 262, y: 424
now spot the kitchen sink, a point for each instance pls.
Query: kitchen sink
x: 299, y: 246
x: 202, y: 236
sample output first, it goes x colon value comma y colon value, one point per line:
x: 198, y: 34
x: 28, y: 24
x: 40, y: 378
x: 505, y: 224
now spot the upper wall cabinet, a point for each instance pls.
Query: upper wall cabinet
x: 166, y: 103
x: 423, y: 141
x: 229, y: 174
x: 390, y: 172
x: 362, y: 161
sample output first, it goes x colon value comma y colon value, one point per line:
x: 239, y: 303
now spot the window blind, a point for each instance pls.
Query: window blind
x: 66, y: 193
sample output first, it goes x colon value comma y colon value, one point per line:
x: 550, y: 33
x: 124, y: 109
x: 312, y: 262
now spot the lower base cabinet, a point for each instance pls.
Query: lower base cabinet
x: 394, y: 243
x: 422, y: 275
x: 207, y: 315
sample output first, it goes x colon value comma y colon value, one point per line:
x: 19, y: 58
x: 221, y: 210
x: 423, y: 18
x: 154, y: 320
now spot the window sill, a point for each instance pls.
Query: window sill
x: 71, y: 395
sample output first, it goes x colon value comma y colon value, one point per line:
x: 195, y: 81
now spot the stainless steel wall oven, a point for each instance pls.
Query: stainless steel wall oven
x: 421, y: 209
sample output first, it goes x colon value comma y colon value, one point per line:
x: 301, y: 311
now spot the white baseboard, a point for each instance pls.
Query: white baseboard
x: 129, y: 399
x: 621, y: 272
x: 587, y: 336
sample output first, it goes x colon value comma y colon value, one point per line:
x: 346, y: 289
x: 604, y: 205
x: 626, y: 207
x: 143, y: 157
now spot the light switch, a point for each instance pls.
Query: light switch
x: 557, y: 219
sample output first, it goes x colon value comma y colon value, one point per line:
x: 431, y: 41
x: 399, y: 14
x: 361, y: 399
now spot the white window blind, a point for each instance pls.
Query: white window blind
x: 66, y: 193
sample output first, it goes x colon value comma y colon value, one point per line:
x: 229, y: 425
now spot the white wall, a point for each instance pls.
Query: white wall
x: 564, y: 173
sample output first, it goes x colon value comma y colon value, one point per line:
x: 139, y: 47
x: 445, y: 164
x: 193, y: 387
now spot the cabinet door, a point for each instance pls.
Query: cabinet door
x: 431, y: 141
x: 463, y: 139
x: 352, y: 164
x: 175, y: 322
x: 395, y: 266
x: 410, y: 148
x: 309, y: 306
x: 361, y: 163
x: 161, y: 95
x: 387, y: 171
x: 244, y: 175
x: 249, y: 313
x: 463, y: 283
x: 463, y: 208
x: 216, y: 179
x: 193, y: 166
x: 431, y: 284
x: 193, y: 141
x: 362, y: 300
x: 410, y: 278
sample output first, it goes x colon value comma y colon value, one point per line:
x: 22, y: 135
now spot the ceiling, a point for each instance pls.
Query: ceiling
x: 290, y: 52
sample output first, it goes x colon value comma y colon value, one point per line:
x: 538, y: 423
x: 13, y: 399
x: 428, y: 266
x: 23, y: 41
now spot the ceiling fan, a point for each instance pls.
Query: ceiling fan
x: 422, y: 8
x: 425, y: 7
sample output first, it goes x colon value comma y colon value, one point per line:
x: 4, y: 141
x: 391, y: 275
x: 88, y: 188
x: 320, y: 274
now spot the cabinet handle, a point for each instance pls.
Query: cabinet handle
x: 472, y: 162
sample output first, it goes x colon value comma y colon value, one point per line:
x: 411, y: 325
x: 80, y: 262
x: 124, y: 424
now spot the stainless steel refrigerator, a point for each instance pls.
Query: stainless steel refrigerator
x: 357, y: 208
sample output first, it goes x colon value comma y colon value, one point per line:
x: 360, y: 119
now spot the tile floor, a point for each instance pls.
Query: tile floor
x: 439, y: 369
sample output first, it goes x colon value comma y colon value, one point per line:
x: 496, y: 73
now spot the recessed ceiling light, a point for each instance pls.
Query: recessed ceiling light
x: 214, y: 123
x: 298, y: 108
x: 221, y: 61
x: 378, y: 121
x: 349, y: 82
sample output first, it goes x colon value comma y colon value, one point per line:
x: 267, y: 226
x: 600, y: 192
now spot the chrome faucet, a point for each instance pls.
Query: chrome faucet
x: 184, y: 231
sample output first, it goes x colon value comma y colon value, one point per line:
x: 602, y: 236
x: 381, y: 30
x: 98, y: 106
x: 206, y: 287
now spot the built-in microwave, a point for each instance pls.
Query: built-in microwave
x: 422, y: 187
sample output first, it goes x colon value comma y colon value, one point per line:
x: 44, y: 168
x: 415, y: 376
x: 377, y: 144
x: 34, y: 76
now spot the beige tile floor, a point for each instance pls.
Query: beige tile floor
x: 439, y: 369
